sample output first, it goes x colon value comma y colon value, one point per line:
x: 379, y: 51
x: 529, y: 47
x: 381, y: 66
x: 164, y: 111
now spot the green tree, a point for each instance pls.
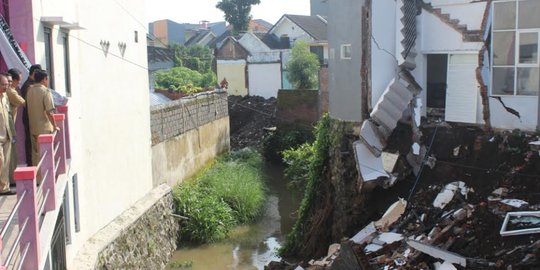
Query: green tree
x: 197, y: 57
x: 303, y: 67
x: 237, y: 12
x: 184, y: 79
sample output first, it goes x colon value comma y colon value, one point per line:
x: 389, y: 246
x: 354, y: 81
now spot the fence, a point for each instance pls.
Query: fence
x: 35, y: 199
x: 177, y: 117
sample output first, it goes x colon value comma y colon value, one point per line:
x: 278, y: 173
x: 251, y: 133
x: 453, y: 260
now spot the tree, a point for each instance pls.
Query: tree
x: 196, y: 57
x: 303, y: 67
x: 237, y: 12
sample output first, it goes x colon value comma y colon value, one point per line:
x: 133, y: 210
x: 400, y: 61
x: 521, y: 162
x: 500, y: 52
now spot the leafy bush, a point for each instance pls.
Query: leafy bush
x: 316, y: 168
x: 196, y: 57
x: 298, y: 161
x: 210, y: 219
x: 184, y: 80
x: 303, y: 67
x: 274, y: 144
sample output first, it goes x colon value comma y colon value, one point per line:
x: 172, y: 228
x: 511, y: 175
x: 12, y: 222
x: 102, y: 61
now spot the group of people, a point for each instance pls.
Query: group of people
x: 38, y: 108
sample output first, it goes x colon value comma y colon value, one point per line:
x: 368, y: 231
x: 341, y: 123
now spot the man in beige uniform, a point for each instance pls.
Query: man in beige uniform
x: 5, y: 137
x: 40, y: 106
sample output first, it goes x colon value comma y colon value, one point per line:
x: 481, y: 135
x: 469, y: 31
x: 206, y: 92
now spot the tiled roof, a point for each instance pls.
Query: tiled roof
x: 159, y: 54
x: 272, y: 41
x: 313, y: 25
x: 201, y: 34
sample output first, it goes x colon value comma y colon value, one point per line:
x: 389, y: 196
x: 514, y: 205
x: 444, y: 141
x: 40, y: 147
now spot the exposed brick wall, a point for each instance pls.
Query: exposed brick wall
x: 297, y: 107
x: 323, y: 91
x: 177, y: 117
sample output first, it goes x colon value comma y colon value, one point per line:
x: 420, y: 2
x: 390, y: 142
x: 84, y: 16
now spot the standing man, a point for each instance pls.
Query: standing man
x: 24, y: 90
x: 5, y: 138
x: 15, y: 100
x: 40, y: 106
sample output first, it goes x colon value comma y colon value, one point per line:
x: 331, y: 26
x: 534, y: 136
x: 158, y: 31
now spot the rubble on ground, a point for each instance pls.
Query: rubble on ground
x: 454, y: 223
x: 249, y: 117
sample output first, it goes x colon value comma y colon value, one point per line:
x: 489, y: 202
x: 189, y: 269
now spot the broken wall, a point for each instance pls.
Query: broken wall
x: 297, y: 107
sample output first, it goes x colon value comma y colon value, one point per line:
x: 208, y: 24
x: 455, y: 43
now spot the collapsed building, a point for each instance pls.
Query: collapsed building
x: 440, y: 89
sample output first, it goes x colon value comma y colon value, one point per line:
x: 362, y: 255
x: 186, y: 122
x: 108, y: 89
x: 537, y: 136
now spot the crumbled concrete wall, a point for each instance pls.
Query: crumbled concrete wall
x: 148, y: 243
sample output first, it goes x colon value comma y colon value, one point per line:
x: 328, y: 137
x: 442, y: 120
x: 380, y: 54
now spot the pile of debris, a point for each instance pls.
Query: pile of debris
x: 493, y: 225
x: 249, y: 117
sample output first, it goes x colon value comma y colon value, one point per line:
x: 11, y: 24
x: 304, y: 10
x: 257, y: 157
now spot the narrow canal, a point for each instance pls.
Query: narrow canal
x: 250, y: 246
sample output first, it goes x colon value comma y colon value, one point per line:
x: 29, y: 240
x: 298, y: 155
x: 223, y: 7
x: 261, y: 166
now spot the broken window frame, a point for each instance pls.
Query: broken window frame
x: 517, y: 66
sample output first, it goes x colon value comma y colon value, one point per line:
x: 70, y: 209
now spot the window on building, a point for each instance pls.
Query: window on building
x: 67, y: 69
x: 346, y: 51
x: 49, y: 55
x: 516, y: 63
x: 319, y: 51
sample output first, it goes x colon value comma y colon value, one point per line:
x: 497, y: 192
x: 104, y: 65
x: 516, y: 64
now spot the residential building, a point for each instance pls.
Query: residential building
x: 102, y: 68
x: 168, y: 32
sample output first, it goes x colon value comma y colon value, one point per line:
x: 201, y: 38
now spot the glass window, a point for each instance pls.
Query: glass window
x: 529, y: 14
x: 503, y: 81
x: 346, y: 51
x: 505, y: 15
x: 528, y: 48
x: 503, y: 48
x: 527, y: 81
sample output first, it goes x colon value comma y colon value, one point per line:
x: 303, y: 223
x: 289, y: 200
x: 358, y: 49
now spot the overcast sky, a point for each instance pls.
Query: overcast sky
x: 193, y: 11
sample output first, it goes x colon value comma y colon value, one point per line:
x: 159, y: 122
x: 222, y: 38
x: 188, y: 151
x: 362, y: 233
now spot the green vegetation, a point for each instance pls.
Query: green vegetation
x: 315, y: 173
x: 303, y: 67
x: 237, y: 12
x: 276, y: 143
x: 230, y: 192
x: 184, y: 80
x: 196, y: 57
x: 298, y: 161
x: 192, y: 72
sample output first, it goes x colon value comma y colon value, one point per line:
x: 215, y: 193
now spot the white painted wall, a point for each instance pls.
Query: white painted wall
x: 470, y: 14
x: 438, y: 37
x: 264, y: 79
x: 526, y: 106
x: 109, y: 107
x: 293, y: 31
x: 383, y: 46
x: 252, y: 43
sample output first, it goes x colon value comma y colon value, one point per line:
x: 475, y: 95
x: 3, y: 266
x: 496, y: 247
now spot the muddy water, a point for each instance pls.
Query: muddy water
x: 250, y: 246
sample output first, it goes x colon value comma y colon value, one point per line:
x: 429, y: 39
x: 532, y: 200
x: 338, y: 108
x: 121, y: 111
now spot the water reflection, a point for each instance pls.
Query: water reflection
x: 250, y: 246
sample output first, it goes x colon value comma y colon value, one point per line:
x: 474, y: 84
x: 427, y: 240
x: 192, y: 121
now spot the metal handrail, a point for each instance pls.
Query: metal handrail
x: 41, y: 161
x: 23, y: 257
x: 39, y: 191
x: 17, y: 242
x: 57, y: 165
x: 56, y: 146
x: 42, y: 204
x: 12, y: 215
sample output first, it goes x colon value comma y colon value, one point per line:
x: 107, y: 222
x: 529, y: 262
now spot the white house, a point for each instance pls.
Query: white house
x: 95, y: 53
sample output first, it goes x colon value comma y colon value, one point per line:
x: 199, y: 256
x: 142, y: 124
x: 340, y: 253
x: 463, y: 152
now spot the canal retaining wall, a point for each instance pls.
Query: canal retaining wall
x: 143, y: 237
x: 187, y: 134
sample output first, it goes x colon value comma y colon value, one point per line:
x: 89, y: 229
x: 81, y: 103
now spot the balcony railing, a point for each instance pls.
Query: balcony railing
x: 35, y: 200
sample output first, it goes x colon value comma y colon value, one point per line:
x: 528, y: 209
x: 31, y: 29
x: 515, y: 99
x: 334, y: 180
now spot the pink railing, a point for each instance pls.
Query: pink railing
x: 33, y: 200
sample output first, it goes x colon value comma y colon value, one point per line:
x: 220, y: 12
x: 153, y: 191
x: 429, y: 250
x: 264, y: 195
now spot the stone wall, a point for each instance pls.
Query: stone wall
x: 143, y: 237
x: 177, y: 117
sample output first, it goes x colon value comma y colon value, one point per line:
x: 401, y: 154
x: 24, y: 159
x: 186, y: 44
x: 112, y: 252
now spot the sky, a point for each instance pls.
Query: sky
x: 193, y: 11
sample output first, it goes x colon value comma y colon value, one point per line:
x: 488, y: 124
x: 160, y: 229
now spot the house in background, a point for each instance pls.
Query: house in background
x: 310, y: 29
x: 202, y: 37
x: 168, y: 32
x: 231, y: 58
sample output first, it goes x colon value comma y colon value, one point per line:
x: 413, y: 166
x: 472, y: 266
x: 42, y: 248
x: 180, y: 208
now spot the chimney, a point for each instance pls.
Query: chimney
x: 204, y: 24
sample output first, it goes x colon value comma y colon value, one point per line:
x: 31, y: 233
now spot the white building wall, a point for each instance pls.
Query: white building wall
x: 439, y: 37
x: 108, y: 111
x: 286, y: 27
x: 264, y: 79
x: 470, y: 14
x: 383, y: 46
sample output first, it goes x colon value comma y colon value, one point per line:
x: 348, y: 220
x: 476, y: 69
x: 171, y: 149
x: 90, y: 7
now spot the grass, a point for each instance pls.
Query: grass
x: 230, y: 192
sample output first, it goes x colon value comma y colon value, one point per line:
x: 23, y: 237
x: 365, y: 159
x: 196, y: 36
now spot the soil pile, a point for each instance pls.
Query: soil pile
x: 250, y: 118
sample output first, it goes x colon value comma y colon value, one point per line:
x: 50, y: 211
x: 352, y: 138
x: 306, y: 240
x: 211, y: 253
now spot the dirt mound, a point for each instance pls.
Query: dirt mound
x: 249, y: 117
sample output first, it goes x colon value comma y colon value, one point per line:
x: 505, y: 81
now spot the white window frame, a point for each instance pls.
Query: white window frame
x: 517, y: 38
x: 344, y: 48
